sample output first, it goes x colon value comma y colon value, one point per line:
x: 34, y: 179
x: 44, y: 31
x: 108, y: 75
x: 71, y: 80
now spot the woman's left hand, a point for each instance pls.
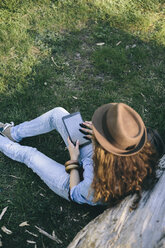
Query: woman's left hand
x: 86, y: 128
x: 73, y: 149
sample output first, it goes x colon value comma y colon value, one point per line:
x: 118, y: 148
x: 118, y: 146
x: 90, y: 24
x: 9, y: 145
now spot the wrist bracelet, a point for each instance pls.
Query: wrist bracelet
x: 69, y: 162
x: 70, y: 167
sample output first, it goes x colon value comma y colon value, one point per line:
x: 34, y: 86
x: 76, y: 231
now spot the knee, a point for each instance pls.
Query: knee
x: 23, y: 153
x: 58, y: 113
x: 28, y: 154
x: 55, y: 117
x: 59, y: 110
x: 19, y: 153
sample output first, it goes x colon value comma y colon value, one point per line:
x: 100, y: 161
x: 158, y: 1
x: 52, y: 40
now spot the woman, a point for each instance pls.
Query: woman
x: 115, y: 164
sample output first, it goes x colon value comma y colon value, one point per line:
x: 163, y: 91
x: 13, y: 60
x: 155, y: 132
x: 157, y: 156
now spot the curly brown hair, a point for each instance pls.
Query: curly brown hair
x: 117, y: 176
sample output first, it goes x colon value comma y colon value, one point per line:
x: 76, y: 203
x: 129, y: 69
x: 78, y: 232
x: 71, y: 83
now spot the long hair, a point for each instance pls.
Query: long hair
x: 117, y: 176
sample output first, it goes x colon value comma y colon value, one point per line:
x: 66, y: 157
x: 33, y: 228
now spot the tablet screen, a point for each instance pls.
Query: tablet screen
x: 71, y: 123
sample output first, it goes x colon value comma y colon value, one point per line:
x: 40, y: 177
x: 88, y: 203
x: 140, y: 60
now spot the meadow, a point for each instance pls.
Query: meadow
x: 78, y: 54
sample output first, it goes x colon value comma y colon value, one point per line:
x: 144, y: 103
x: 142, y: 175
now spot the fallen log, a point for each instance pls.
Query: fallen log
x: 118, y: 227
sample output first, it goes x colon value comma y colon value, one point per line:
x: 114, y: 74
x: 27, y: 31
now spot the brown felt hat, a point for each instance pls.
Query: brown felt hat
x: 119, y: 129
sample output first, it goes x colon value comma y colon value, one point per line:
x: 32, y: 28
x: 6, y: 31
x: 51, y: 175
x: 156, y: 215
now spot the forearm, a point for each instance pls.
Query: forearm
x: 74, y: 178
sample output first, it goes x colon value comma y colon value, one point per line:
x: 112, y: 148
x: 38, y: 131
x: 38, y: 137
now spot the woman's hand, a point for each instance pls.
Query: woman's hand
x: 73, y: 150
x: 86, y: 128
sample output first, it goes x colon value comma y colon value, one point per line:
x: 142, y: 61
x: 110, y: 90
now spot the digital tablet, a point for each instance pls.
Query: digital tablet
x: 71, y: 123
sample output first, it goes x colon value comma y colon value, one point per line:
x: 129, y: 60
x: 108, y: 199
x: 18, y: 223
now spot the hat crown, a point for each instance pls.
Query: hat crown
x: 119, y: 129
x: 124, y: 126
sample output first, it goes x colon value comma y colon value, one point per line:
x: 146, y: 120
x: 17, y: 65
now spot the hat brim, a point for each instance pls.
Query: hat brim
x: 101, y: 136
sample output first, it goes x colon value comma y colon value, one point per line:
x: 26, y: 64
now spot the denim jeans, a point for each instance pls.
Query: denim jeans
x: 50, y: 171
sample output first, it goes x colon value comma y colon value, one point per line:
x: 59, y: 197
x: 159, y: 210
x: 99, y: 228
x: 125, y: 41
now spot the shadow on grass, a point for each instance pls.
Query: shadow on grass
x: 79, y: 75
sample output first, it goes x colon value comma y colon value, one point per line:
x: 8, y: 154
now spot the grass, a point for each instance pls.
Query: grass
x: 50, y: 56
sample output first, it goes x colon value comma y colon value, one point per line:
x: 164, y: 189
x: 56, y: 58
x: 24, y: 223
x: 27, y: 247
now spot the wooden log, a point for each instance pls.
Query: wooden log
x: 118, y: 227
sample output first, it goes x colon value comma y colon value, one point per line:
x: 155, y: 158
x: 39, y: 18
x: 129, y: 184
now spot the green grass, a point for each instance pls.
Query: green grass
x: 50, y: 56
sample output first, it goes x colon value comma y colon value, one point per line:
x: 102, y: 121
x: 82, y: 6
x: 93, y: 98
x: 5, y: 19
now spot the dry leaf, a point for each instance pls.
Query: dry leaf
x: 5, y: 230
x: 30, y: 241
x: 118, y: 43
x: 53, y: 234
x: 75, y: 220
x: 3, y: 212
x: 75, y: 97
x: 100, y: 44
x: 42, y: 195
x: 24, y: 224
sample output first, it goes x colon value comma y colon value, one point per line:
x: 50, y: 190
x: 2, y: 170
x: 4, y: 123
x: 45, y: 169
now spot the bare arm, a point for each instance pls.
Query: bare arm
x: 74, y: 154
x: 74, y: 178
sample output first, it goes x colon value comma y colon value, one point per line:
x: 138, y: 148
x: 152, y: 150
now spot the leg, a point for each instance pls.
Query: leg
x: 46, y: 123
x: 51, y: 172
x: 42, y: 124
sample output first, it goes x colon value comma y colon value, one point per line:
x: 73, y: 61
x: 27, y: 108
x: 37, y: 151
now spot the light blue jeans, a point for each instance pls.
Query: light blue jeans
x: 51, y: 172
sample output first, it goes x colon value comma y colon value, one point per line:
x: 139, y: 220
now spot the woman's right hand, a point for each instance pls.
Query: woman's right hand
x: 87, y: 129
x: 73, y: 149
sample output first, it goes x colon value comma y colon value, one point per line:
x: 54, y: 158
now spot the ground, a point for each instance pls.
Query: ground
x: 78, y: 55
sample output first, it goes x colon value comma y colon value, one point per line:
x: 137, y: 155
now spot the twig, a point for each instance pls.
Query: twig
x: 118, y: 43
x: 3, y: 212
x: 0, y: 240
x: 15, y: 177
x: 84, y: 215
x: 41, y: 188
x: 9, y: 218
x: 0, y: 243
x: 54, y: 238
x: 55, y: 62
x: 35, y: 235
